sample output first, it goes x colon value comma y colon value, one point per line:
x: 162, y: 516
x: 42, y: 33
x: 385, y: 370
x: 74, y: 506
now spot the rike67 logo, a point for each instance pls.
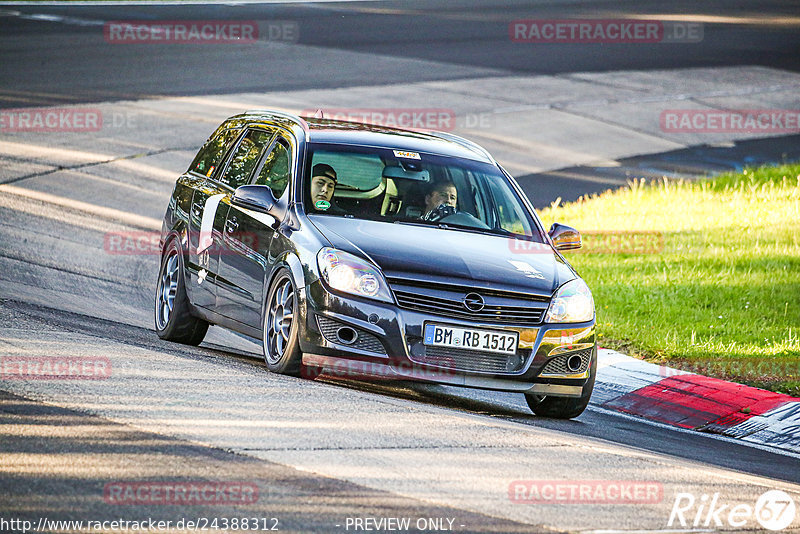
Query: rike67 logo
x: 774, y: 510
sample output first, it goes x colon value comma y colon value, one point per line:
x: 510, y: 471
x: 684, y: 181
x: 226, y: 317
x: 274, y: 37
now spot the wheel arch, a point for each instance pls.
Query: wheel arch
x: 291, y: 263
x: 179, y: 233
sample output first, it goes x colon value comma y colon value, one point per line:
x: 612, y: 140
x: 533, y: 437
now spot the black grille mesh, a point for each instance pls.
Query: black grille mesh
x: 365, y: 340
x: 558, y: 364
x: 447, y: 301
x: 468, y: 360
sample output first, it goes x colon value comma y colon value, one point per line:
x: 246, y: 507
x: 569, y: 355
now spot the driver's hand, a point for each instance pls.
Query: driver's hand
x: 444, y: 210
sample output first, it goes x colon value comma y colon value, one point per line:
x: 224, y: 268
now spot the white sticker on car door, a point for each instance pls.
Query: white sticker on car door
x: 207, y: 222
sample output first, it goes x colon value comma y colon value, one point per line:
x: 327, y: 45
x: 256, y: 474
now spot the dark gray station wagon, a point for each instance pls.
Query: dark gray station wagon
x: 377, y: 253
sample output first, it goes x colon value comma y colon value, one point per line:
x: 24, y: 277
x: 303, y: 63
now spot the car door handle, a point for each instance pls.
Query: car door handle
x: 231, y: 225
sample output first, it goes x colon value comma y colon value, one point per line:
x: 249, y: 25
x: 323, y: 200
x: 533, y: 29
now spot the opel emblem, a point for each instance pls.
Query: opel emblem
x: 473, y: 302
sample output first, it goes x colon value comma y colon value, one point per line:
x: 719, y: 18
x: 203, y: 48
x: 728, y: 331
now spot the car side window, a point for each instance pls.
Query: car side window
x: 275, y: 170
x: 509, y: 211
x: 245, y: 158
x: 210, y: 156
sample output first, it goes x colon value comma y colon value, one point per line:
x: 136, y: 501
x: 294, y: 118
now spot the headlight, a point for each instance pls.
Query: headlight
x: 347, y: 273
x: 572, y: 303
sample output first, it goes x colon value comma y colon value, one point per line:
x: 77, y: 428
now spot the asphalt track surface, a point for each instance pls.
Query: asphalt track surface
x: 50, y: 62
x: 62, y: 294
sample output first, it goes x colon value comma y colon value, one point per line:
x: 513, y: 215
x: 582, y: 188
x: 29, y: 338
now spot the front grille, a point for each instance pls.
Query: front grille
x: 448, y: 301
x: 558, y: 365
x: 364, y: 341
x: 469, y: 360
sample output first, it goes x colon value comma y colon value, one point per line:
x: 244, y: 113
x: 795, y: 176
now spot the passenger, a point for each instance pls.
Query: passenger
x: 323, y: 185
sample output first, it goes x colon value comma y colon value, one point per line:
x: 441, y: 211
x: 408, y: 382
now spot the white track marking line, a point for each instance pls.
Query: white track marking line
x: 139, y: 221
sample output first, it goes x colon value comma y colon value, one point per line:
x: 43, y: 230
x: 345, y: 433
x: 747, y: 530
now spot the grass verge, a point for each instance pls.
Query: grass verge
x: 698, y: 275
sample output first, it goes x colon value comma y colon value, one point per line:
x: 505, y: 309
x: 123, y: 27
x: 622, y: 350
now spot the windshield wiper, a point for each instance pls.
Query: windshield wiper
x: 471, y: 229
x: 415, y: 223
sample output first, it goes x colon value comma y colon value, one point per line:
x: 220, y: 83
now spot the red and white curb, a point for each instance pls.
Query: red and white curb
x: 696, y: 402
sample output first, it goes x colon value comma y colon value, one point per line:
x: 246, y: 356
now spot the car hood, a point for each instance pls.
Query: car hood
x: 451, y: 256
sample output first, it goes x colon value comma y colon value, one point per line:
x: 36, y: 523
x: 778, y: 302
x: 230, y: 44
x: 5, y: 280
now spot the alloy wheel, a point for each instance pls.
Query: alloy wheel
x: 280, y: 317
x: 167, y: 289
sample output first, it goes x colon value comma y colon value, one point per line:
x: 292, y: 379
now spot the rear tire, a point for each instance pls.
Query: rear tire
x: 563, y: 407
x: 279, y: 327
x: 173, y: 318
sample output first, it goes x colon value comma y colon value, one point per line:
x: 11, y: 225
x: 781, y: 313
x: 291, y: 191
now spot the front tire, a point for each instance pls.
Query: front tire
x: 173, y: 318
x: 280, y: 324
x: 563, y: 407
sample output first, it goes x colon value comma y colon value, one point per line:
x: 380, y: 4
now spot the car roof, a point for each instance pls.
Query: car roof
x: 320, y: 130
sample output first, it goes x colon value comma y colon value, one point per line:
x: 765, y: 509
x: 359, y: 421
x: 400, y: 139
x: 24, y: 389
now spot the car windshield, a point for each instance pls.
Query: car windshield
x: 402, y: 187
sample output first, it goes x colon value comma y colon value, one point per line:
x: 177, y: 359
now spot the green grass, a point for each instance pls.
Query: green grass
x: 722, y: 295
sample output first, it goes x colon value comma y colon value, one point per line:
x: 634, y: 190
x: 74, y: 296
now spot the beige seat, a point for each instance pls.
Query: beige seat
x: 391, y: 199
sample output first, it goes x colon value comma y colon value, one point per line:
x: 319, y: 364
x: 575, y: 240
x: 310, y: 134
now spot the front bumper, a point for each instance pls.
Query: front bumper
x: 388, y: 345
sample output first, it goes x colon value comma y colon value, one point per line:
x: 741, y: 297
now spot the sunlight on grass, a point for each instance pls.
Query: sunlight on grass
x: 722, y: 295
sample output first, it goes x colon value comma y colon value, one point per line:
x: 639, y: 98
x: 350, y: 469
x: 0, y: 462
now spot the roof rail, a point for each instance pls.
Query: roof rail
x: 475, y: 147
x: 297, y: 119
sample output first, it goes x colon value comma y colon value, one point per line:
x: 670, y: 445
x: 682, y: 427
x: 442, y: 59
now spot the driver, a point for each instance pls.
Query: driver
x: 440, y: 194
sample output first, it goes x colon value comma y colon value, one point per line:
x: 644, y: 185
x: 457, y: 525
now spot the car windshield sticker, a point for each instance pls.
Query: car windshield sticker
x: 210, y: 171
x: 405, y: 154
x: 207, y: 222
x: 322, y: 204
x: 526, y: 269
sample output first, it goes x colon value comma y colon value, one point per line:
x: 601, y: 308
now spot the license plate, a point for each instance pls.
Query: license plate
x: 503, y: 341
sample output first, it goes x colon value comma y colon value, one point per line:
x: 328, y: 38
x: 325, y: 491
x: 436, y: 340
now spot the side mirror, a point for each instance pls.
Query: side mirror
x: 564, y: 237
x: 255, y: 197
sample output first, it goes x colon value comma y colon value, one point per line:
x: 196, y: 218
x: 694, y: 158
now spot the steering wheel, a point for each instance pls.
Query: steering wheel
x: 444, y: 210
